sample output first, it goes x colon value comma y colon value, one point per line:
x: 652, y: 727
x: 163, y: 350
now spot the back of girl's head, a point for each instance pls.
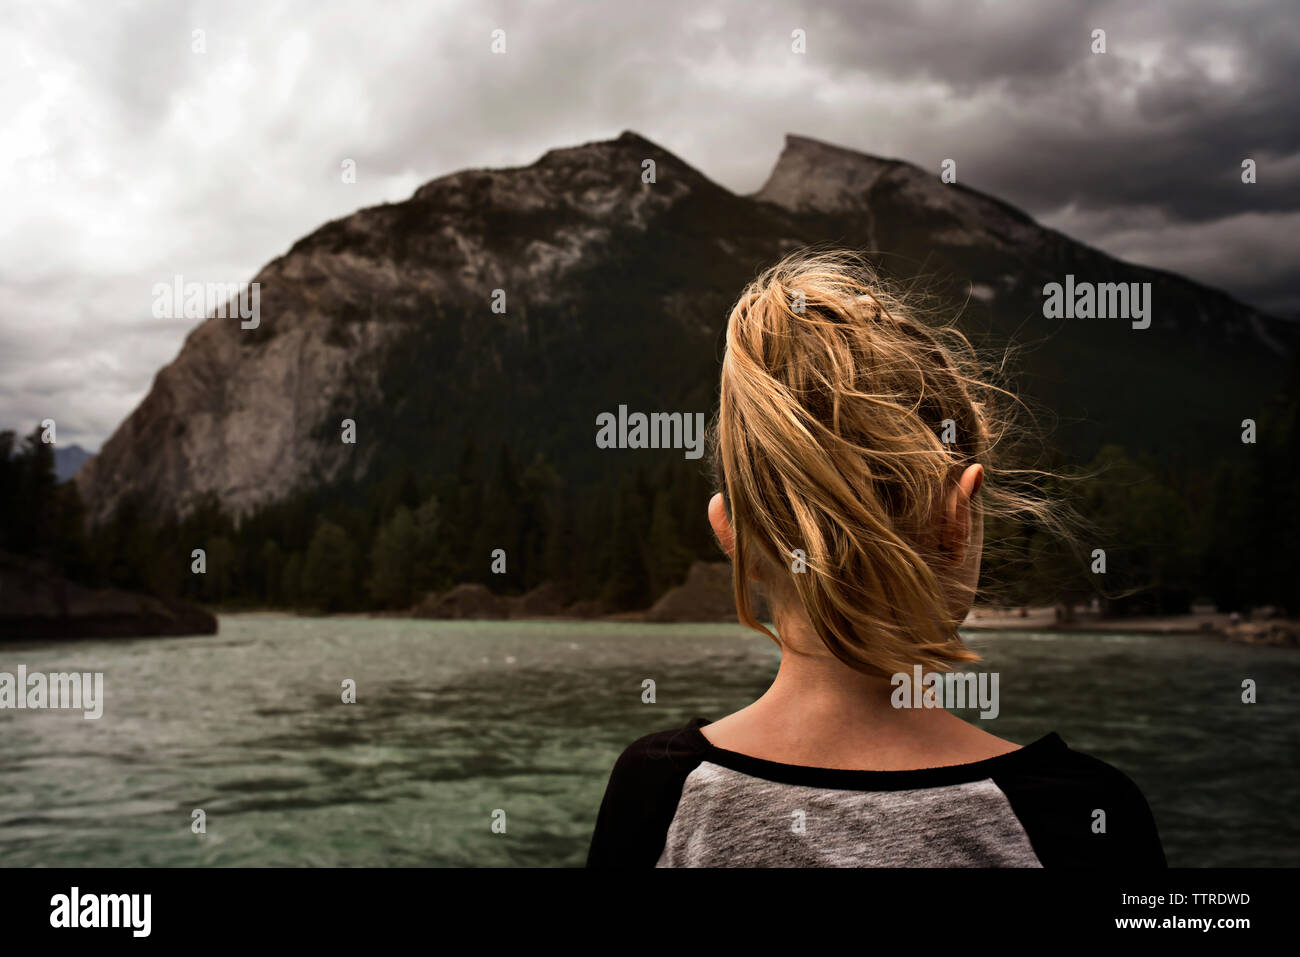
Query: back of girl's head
x: 845, y: 420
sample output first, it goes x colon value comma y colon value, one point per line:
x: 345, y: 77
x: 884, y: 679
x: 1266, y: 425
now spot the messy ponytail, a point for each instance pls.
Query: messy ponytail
x: 844, y: 420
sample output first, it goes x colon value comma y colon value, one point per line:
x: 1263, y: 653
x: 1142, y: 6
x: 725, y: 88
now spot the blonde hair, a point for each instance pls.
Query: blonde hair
x: 836, y: 400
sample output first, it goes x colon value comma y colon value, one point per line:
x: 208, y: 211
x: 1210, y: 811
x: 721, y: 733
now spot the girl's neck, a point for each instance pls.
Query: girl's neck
x: 820, y: 712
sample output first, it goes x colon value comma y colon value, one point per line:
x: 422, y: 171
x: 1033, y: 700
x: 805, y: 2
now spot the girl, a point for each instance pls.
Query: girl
x: 852, y: 447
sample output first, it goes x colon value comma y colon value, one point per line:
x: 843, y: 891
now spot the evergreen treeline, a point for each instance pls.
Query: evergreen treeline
x: 1215, y: 525
x: 382, y: 545
x: 1222, y: 530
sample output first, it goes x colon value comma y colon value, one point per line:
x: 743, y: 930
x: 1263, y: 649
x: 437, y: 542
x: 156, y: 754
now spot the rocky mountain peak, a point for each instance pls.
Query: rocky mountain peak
x: 813, y: 176
x: 600, y: 179
x: 816, y: 178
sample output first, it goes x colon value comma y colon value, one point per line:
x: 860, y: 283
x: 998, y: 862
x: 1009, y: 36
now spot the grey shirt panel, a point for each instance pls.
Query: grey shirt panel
x: 673, y: 799
x: 729, y: 819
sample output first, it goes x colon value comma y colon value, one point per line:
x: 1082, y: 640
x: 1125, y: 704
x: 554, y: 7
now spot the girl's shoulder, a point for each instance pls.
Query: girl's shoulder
x: 1075, y: 810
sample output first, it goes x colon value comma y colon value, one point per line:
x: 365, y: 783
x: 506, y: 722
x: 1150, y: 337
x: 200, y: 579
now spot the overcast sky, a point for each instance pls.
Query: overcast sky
x: 127, y: 157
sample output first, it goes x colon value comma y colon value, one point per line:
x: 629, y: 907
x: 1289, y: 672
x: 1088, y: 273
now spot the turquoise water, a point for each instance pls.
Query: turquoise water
x: 457, y: 720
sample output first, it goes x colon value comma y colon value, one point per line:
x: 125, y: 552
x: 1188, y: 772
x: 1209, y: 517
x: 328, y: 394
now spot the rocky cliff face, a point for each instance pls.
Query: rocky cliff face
x: 815, y: 179
x: 616, y: 292
x: 386, y: 317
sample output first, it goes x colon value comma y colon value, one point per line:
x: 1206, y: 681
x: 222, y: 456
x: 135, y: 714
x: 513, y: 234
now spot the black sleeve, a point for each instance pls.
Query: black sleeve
x: 1057, y: 803
x: 641, y: 799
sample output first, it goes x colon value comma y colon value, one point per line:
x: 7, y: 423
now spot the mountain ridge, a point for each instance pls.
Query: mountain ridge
x: 783, y: 180
x: 616, y: 292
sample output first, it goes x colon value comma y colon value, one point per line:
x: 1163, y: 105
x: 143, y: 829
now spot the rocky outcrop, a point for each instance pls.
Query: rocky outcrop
x: 36, y: 605
x: 545, y: 601
x: 706, y: 595
x: 1277, y: 632
x: 587, y: 608
x: 462, y: 601
x: 468, y: 600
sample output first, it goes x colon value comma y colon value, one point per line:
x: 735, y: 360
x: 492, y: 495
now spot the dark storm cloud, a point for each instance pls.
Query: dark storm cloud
x: 128, y: 158
x: 1139, y: 150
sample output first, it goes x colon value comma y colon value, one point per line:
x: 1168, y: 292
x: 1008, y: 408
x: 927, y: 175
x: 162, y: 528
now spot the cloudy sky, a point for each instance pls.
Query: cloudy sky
x: 127, y: 156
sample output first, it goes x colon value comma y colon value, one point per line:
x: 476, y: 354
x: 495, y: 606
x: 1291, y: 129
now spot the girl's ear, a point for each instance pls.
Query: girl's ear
x: 722, y: 526
x: 727, y: 538
x: 955, y: 534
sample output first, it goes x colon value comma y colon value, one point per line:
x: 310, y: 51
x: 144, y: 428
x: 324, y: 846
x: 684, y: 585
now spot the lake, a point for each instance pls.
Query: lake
x: 456, y: 720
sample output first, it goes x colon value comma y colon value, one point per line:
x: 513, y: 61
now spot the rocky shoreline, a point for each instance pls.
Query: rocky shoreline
x: 706, y: 596
x: 1263, y: 629
x: 36, y: 604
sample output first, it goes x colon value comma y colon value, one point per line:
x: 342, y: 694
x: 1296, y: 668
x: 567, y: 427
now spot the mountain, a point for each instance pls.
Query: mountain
x: 616, y: 293
x: 1181, y: 386
x: 68, y: 460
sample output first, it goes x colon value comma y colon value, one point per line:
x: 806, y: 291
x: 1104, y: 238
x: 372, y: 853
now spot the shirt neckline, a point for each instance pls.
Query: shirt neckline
x: 869, y: 780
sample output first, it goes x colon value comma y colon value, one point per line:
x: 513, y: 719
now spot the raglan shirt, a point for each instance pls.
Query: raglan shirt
x: 675, y: 800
